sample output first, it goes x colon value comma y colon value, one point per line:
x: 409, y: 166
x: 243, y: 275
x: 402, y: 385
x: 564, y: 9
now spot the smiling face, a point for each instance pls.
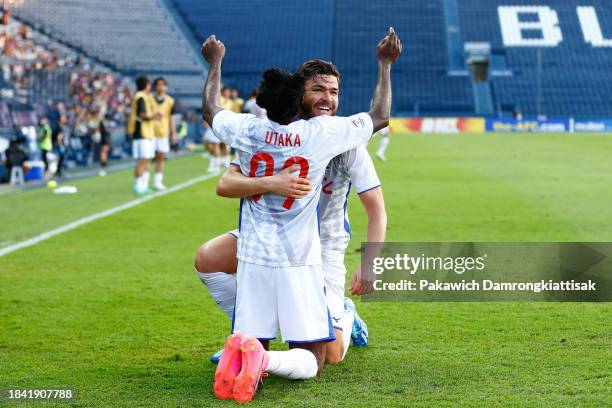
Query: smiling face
x: 320, y: 96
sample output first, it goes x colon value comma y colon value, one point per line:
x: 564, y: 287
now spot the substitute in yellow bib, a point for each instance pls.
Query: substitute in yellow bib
x: 164, y: 127
x: 140, y: 128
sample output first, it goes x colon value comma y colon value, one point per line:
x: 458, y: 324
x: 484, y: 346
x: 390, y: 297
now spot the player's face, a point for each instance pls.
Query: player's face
x: 161, y: 88
x: 320, y: 96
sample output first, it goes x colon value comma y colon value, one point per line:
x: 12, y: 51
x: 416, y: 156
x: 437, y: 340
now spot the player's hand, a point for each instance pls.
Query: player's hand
x: 360, y: 285
x: 389, y: 48
x: 287, y: 185
x: 213, y: 50
x: 174, y: 139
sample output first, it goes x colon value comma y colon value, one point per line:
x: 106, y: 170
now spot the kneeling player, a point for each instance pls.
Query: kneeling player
x: 216, y: 258
x: 280, y: 280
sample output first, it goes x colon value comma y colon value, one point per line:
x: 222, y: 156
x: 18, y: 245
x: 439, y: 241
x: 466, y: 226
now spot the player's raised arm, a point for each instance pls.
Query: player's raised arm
x: 213, y: 52
x: 227, y: 125
x: 233, y: 184
x: 387, y: 52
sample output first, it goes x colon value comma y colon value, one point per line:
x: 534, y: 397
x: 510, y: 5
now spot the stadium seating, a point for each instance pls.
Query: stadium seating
x: 574, y: 79
x: 345, y: 31
x: 431, y: 79
x: 421, y: 84
x: 139, y: 36
x: 257, y: 38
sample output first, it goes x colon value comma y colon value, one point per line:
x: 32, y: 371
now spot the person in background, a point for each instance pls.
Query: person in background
x: 45, y: 140
x: 183, y: 131
x: 6, y: 15
x: 251, y: 106
x: 105, y: 142
x: 140, y: 127
x: 213, y: 147
x: 164, y: 128
x: 15, y: 157
x: 59, y: 144
x: 237, y: 101
x: 59, y: 137
x: 384, y: 143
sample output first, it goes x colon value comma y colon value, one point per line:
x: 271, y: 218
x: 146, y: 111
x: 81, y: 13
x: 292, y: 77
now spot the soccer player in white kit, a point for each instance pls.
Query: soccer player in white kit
x: 351, y: 170
x: 279, y: 276
x: 384, y: 143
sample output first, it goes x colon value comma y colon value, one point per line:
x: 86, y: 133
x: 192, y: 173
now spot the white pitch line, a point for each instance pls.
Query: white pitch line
x: 86, y: 220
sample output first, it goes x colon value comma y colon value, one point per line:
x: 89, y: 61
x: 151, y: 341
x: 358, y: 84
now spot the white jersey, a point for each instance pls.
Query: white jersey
x: 275, y: 230
x: 350, y: 169
x: 251, y: 106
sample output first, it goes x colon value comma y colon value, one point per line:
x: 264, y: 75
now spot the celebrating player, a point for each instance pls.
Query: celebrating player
x: 163, y: 127
x: 351, y: 169
x: 279, y: 279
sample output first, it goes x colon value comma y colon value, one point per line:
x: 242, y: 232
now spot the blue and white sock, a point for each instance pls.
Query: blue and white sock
x: 222, y: 288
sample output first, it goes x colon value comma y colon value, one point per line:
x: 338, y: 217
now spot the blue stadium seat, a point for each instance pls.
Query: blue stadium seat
x: 574, y: 75
x: 571, y: 81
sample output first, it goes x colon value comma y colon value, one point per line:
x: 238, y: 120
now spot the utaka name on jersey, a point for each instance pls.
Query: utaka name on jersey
x: 276, y: 230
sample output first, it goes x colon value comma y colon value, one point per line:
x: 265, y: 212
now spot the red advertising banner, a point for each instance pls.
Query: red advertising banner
x: 438, y: 125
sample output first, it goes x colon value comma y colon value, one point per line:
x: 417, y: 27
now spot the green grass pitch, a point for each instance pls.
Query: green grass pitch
x: 115, y: 310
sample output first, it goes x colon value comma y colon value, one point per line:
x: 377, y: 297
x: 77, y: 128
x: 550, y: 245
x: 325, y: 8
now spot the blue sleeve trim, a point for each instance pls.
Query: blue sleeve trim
x: 347, y: 225
x: 365, y: 191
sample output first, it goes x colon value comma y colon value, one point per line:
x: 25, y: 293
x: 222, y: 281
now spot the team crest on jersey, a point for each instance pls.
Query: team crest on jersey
x: 358, y: 123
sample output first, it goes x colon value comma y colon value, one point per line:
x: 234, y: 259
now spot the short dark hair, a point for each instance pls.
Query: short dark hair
x: 315, y: 67
x: 142, y: 82
x: 280, y: 94
x: 160, y: 79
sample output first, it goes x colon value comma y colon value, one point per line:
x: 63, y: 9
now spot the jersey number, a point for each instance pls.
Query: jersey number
x: 269, y: 170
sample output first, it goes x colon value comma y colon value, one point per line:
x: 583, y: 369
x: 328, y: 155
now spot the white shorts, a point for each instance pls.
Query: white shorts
x: 143, y: 149
x: 334, y: 274
x: 292, y: 298
x: 384, y: 132
x: 162, y: 145
x: 209, y: 136
x: 334, y: 278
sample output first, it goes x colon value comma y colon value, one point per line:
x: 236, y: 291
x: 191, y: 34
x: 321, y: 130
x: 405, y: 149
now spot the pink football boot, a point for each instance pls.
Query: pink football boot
x: 229, y: 367
x: 254, y: 363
